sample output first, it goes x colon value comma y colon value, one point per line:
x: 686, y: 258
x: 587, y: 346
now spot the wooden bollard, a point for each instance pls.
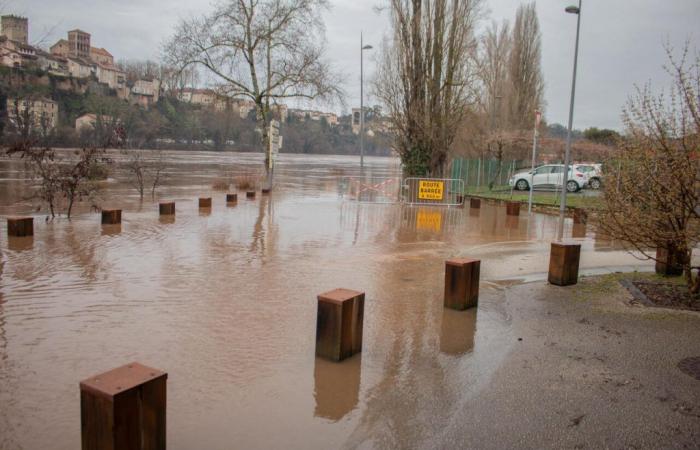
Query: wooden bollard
x: 462, y: 283
x: 167, y: 208
x: 20, y: 226
x: 124, y: 409
x: 339, y: 324
x: 563, y: 264
x: 513, y: 208
x: 266, y: 191
x: 205, y: 202
x: 111, y: 216
x: 580, y: 216
x: 231, y: 198
x: 459, y: 199
x: 475, y: 203
x: 250, y: 195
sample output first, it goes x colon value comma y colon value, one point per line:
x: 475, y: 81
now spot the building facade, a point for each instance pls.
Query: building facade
x: 41, y: 112
x: 16, y: 28
x: 79, y: 44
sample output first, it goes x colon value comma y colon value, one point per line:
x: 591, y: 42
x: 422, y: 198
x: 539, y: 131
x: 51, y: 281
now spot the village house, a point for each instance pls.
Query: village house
x: 41, y: 112
x: 88, y: 121
x: 145, y: 92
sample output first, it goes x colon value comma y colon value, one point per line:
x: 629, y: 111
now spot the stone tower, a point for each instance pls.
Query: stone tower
x: 15, y: 28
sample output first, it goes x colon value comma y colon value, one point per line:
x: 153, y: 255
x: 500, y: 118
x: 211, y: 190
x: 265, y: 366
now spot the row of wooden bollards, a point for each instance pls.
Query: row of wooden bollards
x: 24, y: 226
x: 126, y: 407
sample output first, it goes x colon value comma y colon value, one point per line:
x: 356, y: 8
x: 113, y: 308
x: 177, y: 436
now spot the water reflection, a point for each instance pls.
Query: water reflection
x: 336, y: 387
x: 578, y: 231
x: 111, y: 229
x: 457, y: 331
x: 166, y: 219
x: 20, y: 244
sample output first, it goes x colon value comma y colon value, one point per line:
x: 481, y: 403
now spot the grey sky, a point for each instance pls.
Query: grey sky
x: 620, y: 46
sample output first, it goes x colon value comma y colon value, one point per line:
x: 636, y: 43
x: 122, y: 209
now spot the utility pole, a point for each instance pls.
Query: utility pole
x: 567, y: 153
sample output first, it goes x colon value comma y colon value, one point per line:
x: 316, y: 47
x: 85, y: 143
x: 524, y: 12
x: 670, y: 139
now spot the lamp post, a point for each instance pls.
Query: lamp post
x: 362, y: 102
x: 567, y: 153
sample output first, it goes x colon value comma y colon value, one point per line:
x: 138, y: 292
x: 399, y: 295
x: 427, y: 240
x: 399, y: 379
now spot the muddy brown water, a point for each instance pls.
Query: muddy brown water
x: 225, y: 302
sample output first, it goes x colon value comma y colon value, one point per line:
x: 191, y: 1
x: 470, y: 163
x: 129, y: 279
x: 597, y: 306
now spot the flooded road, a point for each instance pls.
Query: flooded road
x: 224, y: 300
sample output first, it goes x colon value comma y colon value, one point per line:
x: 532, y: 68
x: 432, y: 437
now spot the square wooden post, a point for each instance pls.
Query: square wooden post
x: 580, y: 216
x: 513, y: 208
x: 462, y: 283
x: 563, y: 264
x: 124, y: 409
x: 339, y: 321
x: 205, y: 202
x: 266, y: 191
x: 167, y: 208
x: 475, y: 203
x: 111, y: 216
x: 20, y: 226
x: 250, y: 195
x: 231, y: 198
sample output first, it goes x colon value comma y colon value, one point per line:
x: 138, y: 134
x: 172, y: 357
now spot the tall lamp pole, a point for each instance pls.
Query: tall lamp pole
x: 567, y: 154
x: 362, y: 101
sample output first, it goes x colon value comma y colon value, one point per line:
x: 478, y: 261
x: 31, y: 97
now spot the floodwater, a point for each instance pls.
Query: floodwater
x: 224, y: 300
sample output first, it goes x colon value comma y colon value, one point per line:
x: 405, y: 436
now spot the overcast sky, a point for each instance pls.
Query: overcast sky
x: 621, y: 41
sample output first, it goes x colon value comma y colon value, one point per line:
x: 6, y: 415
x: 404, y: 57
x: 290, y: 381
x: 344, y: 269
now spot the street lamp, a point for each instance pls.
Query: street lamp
x: 567, y: 154
x: 362, y: 102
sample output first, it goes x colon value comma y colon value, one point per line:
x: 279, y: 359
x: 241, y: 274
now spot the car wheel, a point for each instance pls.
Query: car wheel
x: 522, y: 185
x: 595, y: 183
x: 572, y: 186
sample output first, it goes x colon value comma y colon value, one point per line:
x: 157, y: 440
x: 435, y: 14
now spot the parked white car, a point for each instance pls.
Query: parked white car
x: 594, y: 172
x: 549, y: 177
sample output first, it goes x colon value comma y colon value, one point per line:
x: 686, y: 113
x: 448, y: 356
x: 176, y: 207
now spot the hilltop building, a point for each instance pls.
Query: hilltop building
x: 42, y: 112
x: 15, y: 28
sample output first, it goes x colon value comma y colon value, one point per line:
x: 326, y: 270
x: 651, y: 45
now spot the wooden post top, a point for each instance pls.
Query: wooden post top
x: 205, y: 198
x: 565, y: 244
x: 167, y: 203
x: 108, y: 210
x: 461, y: 261
x: 124, y: 378
x: 20, y: 218
x: 339, y: 295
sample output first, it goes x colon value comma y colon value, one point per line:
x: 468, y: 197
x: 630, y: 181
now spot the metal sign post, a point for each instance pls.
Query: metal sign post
x: 538, y: 117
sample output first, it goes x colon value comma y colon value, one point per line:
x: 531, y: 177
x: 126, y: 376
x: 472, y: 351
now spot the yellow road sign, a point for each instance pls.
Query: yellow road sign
x: 430, y: 190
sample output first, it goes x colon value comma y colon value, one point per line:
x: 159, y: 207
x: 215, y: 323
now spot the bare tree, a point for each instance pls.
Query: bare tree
x: 142, y: 173
x: 266, y: 51
x: 653, y: 200
x: 524, y: 67
x: 427, y: 77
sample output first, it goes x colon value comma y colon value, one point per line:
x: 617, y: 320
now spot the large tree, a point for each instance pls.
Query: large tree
x: 652, y: 199
x: 524, y: 66
x: 267, y: 51
x: 427, y: 77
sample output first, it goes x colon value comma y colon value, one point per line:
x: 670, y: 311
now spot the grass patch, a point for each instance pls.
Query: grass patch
x: 543, y: 198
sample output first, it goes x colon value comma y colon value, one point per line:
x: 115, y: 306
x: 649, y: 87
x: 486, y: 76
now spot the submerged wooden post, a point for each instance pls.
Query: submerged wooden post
x: 124, y: 409
x: 513, y: 208
x: 460, y: 199
x: 580, y: 216
x: 339, y: 324
x: 250, y: 194
x: 205, y: 202
x: 265, y: 191
x: 475, y: 203
x: 20, y: 226
x: 111, y: 216
x: 462, y: 283
x: 167, y: 208
x: 563, y: 264
x: 231, y: 198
